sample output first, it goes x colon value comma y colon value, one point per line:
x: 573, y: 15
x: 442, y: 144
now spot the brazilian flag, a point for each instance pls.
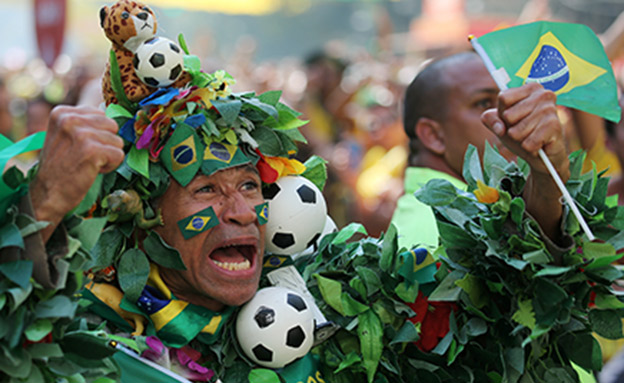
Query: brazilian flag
x: 198, y: 222
x: 221, y: 155
x: 262, y: 211
x: 182, y: 154
x: 565, y: 58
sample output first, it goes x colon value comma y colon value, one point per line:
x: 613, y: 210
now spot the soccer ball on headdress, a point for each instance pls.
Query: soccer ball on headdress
x: 275, y: 327
x: 297, y: 215
x: 158, y: 62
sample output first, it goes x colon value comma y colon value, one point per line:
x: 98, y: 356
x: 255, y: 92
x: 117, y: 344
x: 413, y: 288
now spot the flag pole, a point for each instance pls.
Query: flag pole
x: 551, y: 169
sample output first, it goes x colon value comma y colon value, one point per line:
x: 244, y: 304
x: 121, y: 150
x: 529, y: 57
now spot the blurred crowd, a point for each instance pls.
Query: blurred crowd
x: 351, y: 96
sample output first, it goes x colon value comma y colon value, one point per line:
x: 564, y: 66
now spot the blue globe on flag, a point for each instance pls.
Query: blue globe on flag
x: 550, y: 69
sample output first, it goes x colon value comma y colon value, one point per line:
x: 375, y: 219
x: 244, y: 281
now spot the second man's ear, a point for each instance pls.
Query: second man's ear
x: 430, y: 134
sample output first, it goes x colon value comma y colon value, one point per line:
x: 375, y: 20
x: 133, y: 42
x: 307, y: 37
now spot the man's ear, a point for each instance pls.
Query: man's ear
x: 430, y: 134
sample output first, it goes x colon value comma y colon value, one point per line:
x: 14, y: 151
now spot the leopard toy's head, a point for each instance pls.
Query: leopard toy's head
x: 128, y: 23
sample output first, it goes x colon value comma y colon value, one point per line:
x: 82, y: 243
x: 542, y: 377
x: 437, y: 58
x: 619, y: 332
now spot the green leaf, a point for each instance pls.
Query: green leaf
x: 18, y: 272
x: 553, y: 270
x: 182, y: 43
x: 316, y: 171
x: 447, y: 290
x: 474, y: 288
x: 192, y: 63
x: 331, y: 291
x: 116, y: 84
x: 606, y: 323
x: 161, y: 253
x: 18, y: 296
x: 389, y: 248
x: 258, y: 105
x: 516, y: 209
x: 437, y: 192
x: 407, y: 333
x: 472, y: 167
x: 351, y: 359
x: 475, y: 327
x: 602, y: 254
x: 582, y: 349
x: 288, y: 118
x: 133, y: 270
x: 228, y: 109
x: 349, y: 231
x: 88, y: 344
x: 106, y: 248
x: 604, y: 301
x: 370, y: 278
x: 38, y: 330
x: 138, y: 160
x: 268, y: 141
x: 370, y: 333
x: 263, y: 375
x: 10, y: 236
x: 91, y: 197
x: 540, y: 256
x: 350, y: 306
x: 45, y: 350
x: 59, y: 306
x: 408, y: 292
x: 114, y: 111
x: 271, y: 97
x: 15, y: 363
x: 524, y: 315
x: 89, y: 231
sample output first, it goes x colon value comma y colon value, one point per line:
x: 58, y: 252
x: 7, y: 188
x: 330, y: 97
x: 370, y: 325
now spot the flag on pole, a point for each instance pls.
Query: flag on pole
x: 565, y: 58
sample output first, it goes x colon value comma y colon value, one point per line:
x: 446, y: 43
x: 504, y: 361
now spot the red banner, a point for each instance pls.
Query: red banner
x: 50, y: 28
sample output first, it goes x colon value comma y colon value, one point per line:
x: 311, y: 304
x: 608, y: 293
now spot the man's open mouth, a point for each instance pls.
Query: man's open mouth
x: 234, y: 257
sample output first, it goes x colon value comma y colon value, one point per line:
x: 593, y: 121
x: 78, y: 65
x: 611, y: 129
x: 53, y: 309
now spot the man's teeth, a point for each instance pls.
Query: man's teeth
x: 234, y: 265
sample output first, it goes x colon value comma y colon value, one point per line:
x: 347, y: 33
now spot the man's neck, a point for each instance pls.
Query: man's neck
x: 184, y: 292
x: 426, y: 159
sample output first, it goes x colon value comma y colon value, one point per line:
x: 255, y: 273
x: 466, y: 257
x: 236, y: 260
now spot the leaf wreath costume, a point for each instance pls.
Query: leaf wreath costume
x: 495, y: 303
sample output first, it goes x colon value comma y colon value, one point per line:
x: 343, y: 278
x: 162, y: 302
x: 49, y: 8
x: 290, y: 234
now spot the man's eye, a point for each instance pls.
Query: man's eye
x: 250, y: 185
x: 486, y: 103
x: 205, y: 189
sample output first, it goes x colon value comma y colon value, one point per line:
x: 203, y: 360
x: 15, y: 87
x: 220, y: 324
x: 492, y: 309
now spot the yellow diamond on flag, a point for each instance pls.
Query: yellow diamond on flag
x: 220, y: 151
x: 556, y: 68
x: 197, y: 223
x: 183, y: 154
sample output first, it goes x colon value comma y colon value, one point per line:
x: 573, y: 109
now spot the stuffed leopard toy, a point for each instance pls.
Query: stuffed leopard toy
x: 127, y: 24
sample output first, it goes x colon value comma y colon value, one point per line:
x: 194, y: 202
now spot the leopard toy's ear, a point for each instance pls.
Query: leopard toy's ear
x: 103, y: 14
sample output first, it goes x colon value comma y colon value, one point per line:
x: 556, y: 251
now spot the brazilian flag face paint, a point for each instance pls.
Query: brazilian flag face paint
x: 198, y: 223
x: 262, y: 211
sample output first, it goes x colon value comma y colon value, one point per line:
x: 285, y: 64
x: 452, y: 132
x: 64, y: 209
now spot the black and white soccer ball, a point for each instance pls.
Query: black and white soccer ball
x: 276, y: 327
x: 158, y: 62
x: 297, y: 214
x: 330, y: 227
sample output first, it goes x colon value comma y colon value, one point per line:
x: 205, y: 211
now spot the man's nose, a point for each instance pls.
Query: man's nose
x: 238, y: 210
x: 142, y: 15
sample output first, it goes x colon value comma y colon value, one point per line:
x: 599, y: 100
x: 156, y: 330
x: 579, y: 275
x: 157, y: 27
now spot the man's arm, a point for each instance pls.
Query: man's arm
x: 526, y: 121
x: 81, y: 142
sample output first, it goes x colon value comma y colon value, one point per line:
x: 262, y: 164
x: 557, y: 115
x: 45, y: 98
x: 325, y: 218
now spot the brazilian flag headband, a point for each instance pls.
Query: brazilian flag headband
x: 204, y: 127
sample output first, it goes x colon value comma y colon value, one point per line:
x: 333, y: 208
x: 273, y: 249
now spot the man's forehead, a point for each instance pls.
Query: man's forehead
x: 470, y: 77
x: 226, y: 173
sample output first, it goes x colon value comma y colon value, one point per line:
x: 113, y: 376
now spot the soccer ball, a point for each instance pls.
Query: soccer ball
x: 275, y: 327
x: 297, y: 214
x: 158, y: 62
x: 330, y: 227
